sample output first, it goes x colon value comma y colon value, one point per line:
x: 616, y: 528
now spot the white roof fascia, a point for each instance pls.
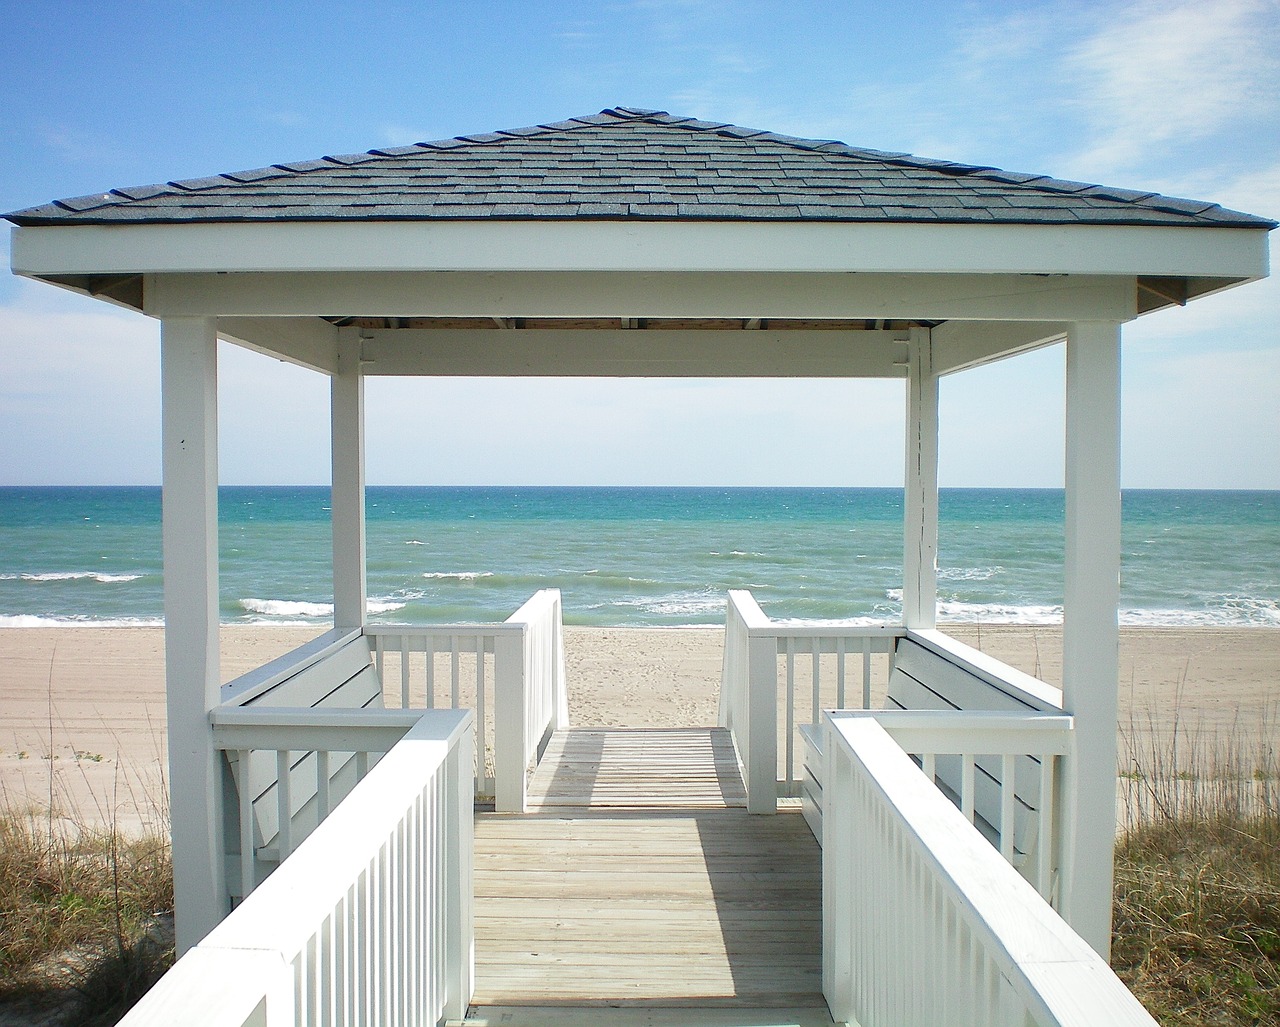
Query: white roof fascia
x: 579, y: 245
x: 940, y: 297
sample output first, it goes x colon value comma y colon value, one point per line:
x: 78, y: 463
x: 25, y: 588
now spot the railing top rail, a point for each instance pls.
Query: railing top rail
x: 282, y: 912
x: 1042, y: 958
x: 977, y: 732
x: 311, y: 716
x: 760, y: 625
x: 833, y: 629
x: 423, y: 630
x: 252, y: 684
x: 1000, y: 675
x: 536, y: 606
x: 744, y: 604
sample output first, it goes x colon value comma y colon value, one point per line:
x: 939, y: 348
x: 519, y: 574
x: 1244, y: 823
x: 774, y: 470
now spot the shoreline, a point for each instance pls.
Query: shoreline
x: 83, y: 719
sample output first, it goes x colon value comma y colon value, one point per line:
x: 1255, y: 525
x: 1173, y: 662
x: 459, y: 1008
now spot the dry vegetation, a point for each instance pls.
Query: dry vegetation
x: 84, y: 912
x: 1197, y: 884
x: 83, y: 919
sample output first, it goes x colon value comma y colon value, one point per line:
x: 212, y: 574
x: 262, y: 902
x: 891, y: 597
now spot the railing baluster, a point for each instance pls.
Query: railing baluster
x: 248, y: 855
x: 1007, y: 792
x: 284, y: 804
x: 431, y: 671
x: 453, y: 653
x: 362, y: 765
x: 404, y: 672
x: 1044, y: 825
x: 866, y: 672
x: 379, y: 650
x: 481, y: 771
x: 966, y: 786
x: 928, y: 763
x: 816, y: 712
x: 322, y: 783
x: 840, y: 672
x: 791, y: 710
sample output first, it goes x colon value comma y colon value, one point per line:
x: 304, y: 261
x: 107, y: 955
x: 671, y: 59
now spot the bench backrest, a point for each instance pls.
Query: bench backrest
x: 346, y: 679
x: 925, y: 680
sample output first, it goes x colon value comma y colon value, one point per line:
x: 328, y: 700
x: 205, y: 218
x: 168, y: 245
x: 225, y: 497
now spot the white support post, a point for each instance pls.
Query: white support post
x: 347, y: 497
x: 189, y: 377
x: 920, y: 548
x: 1090, y: 635
x: 762, y: 724
x: 510, y: 685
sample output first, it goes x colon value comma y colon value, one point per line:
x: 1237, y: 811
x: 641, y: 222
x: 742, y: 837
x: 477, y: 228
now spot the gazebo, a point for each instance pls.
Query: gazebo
x: 634, y: 243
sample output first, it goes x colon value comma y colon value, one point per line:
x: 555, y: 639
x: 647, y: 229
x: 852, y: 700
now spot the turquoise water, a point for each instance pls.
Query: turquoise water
x: 636, y: 556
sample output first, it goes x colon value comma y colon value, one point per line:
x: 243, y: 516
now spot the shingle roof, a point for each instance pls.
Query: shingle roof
x: 638, y: 164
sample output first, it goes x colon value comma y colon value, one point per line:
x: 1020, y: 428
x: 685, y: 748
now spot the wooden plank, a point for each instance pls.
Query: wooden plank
x: 638, y: 877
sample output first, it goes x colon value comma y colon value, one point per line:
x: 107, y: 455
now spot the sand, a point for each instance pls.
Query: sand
x: 83, y: 717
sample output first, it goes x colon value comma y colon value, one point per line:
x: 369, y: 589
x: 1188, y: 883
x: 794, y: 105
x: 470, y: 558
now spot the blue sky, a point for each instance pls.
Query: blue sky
x: 1179, y: 97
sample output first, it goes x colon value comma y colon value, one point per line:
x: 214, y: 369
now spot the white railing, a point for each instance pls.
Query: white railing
x: 924, y: 923
x: 768, y: 690
x: 368, y: 922
x: 1006, y: 768
x: 313, y: 757
x: 511, y: 674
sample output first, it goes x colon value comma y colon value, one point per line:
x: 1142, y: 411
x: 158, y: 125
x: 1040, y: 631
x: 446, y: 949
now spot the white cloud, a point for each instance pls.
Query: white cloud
x: 1161, y: 75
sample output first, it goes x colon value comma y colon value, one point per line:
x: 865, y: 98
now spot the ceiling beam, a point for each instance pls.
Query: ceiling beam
x: 306, y: 341
x: 627, y: 353
x: 935, y: 297
x: 959, y: 345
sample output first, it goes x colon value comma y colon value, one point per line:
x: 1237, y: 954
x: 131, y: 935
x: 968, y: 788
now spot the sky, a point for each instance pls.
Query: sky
x: 1177, y: 97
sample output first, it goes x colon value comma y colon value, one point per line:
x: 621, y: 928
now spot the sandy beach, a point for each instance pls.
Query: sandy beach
x: 83, y: 717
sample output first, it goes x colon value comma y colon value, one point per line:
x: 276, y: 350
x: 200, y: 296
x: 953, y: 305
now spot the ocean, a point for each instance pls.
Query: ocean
x: 636, y: 556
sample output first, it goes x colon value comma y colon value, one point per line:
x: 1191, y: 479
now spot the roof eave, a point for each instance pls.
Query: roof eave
x: 631, y: 245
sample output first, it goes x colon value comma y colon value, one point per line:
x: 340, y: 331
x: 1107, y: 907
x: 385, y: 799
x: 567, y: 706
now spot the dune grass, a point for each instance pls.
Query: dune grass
x: 1197, y: 877
x: 1197, y: 892
x: 83, y: 914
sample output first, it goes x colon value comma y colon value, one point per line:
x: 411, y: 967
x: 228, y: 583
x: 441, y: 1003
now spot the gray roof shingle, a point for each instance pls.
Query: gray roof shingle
x: 636, y: 164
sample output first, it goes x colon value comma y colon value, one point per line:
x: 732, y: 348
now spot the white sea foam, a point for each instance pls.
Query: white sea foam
x: 968, y: 573
x: 998, y: 613
x: 286, y: 608
x: 676, y: 604
x: 24, y: 620
x: 415, y: 542
x: 458, y: 575
x: 385, y: 605
x: 73, y: 576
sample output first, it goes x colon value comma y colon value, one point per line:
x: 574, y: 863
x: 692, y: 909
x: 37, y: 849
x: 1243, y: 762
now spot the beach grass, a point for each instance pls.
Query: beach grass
x: 85, y: 910
x: 1196, y: 931
x: 85, y: 917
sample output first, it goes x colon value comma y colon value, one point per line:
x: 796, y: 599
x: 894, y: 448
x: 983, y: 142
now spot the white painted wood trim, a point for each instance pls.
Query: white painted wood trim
x: 629, y: 246
x: 1090, y: 633
x: 253, y: 683
x: 960, y: 345
x: 189, y: 383
x: 347, y: 504
x: 920, y: 549
x: 636, y: 353
x: 933, y: 296
x: 1010, y: 680
x: 309, y: 342
x: 924, y: 922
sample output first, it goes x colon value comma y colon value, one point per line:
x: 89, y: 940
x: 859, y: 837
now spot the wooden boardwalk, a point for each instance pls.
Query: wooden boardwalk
x: 641, y: 881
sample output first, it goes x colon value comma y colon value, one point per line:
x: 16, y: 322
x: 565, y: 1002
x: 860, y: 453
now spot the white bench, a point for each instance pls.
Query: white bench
x: 925, y: 679
x: 344, y: 679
